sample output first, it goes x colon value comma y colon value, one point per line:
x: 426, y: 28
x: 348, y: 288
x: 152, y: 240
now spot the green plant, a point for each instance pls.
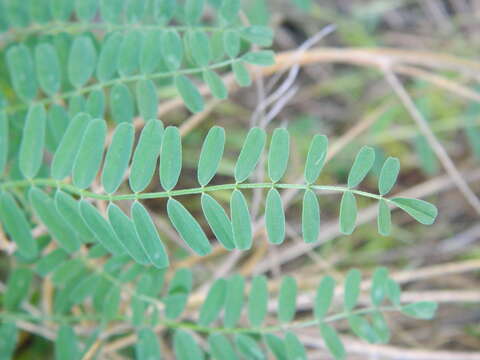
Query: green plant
x: 111, y: 268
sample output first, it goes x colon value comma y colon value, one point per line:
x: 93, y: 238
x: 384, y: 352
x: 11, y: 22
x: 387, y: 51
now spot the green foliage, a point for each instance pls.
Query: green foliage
x: 79, y: 146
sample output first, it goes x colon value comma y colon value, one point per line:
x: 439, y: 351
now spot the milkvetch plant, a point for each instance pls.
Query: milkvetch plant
x: 72, y: 162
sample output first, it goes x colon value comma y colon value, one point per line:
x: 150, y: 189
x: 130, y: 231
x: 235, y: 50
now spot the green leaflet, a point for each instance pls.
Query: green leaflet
x: 422, y: 211
x: 420, y: 310
x: 332, y: 341
x: 17, y: 287
x: 348, y: 213
x: 388, y: 175
x: 77, y: 104
x: 352, y: 289
x: 122, y: 105
x: 151, y: 53
x: 139, y: 305
x: 294, y: 347
x: 149, y: 237
x: 57, y: 123
x: 276, y: 346
x: 178, y: 291
x: 22, y: 72
x: 117, y: 158
x: 8, y: 339
x: 50, y: 262
x: 324, y: 297
x: 188, y: 228
x: 39, y: 13
x: 68, y: 208
x: 111, y: 304
x: 33, y: 141
x: 147, y: 100
x: 231, y: 42
x: 310, y: 217
x: 172, y: 48
x: 147, y: 346
x: 95, y: 105
x: 317, y: 153
x: 193, y: 11
x: 215, y: 84
x: 361, y: 166
x: 89, y: 157
x: 379, y: 281
x: 242, y: 76
x: 108, y: 56
x: 213, y: 303
x: 380, y: 328
x: 84, y: 288
x: 278, y: 154
x: 274, y: 217
x: 146, y: 155
x: 218, y: 221
x: 126, y: 233
x: 128, y: 54
x: 86, y: 9
x: 135, y: 10
x: 250, y: 154
x: 46, y: 211
x: 229, y: 10
x: 384, y: 218
x: 260, y: 58
x: 361, y: 327
x: 47, y: 68
x: 259, y: 35
x: 100, y: 228
x: 221, y: 348
x: 210, y: 155
x: 81, y: 61
x: 170, y: 158
x: 241, y: 222
x: 287, y: 300
x: 189, y: 93
x: 234, y: 300
x: 248, y: 347
x: 111, y: 10
x: 185, y: 346
x: 257, y: 301
x: 393, y: 292
x: 200, y: 47
x: 164, y: 10
x: 61, y: 9
x: 4, y: 136
x: 69, y: 146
